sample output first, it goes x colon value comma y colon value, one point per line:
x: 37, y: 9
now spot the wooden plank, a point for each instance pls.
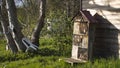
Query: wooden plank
x: 119, y: 52
x: 103, y: 23
x: 106, y: 30
x: 88, y: 16
x: 106, y: 40
x: 103, y: 54
x: 75, y: 51
x: 74, y: 61
x: 91, y: 34
x: 105, y: 35
x: 110, y: 27
x: 106, y: 52
x: 103, y: 46
x: 114, y: 36
x: 106, y: 44
x: 76, y: 29
x: 109, y: 36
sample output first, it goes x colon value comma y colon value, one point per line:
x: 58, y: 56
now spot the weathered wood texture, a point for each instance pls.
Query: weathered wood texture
x: 80, y: 42
x: 107, y: 32
x: 83, y: 36
x: 106, y: 43
x: 74, y: 61
x: 91, y: 37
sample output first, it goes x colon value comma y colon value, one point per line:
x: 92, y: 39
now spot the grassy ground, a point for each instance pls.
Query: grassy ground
x: 49, y: 56
x: 54, y: 62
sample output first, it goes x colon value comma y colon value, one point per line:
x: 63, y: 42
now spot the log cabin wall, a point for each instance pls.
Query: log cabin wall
x: 106, y: 42
x: 107, y: 32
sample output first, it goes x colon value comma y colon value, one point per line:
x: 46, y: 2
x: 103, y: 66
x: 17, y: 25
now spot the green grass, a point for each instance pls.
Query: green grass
x: 48, y: 56
x: 54, y: 62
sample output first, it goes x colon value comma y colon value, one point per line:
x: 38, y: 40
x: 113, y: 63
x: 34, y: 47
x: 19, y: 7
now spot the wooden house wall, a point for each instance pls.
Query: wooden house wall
x: 107, y: 32
x: 106, y: 42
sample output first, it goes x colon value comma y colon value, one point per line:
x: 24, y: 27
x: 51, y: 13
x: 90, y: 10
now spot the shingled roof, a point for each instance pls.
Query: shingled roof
x: 86, y: 14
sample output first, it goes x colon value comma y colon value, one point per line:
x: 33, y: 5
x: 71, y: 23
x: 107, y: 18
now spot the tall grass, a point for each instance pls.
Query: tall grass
x: 49, y: 56
x: 53, y: 62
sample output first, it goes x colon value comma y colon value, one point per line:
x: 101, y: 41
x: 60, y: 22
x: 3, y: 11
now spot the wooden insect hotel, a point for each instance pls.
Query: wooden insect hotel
x: 83, y: 35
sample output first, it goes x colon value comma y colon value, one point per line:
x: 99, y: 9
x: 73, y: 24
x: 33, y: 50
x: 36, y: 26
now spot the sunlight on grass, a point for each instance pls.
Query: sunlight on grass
x: 48, y: 57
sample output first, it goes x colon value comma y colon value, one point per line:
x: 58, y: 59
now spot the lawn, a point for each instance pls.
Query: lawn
x: 48, y: 56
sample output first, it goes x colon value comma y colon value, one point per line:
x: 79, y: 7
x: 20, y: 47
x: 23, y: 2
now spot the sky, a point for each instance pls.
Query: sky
x: 18, y: 3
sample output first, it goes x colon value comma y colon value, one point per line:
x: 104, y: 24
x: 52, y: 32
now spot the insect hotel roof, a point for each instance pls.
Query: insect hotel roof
x: 85, y: 15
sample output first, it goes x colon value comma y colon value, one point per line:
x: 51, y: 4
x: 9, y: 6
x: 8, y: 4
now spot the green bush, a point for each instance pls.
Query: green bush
x: 48, y: 52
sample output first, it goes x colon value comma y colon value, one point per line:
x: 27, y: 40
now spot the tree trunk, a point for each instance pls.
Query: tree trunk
x: 39, y: 26
x: 5, y: 24
x: 68, y: 8
x: 76, y: 6
x: 15, y: 26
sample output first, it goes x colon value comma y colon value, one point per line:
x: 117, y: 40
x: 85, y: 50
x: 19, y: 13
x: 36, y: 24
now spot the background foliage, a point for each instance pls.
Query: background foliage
x: 55, y: 45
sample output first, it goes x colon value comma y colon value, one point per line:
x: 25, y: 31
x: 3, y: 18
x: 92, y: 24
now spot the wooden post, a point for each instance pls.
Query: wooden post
x: 90, y: 40
x: 75, y: 44
x: 81, y: 5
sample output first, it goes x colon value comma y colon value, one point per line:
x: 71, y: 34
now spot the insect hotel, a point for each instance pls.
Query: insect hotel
x: 83, y: 37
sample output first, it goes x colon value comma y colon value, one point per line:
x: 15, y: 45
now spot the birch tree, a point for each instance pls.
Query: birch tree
x: 14, y: 25
x: 4, y: 22
x: 40, y: 23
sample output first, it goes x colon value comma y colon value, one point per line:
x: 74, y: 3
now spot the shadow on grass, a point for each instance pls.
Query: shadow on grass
x: 48, y: 52
x: 8, y: 56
